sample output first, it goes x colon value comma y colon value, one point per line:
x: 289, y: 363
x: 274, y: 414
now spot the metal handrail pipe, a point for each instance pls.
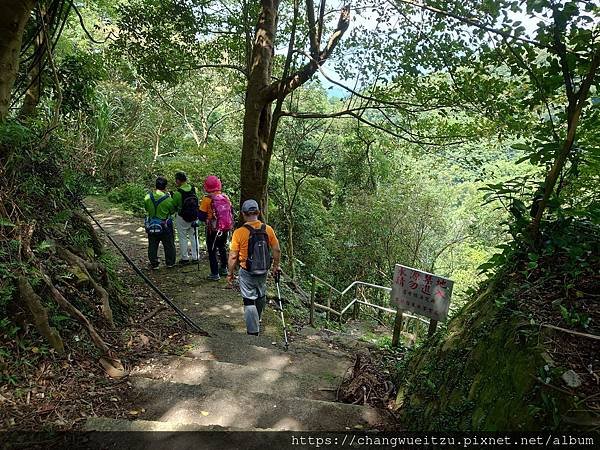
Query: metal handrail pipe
x: 392, y: 311
x: 355, y: 283
x: 410, y: 316
x: 383, y: 308
x: 349, y: 305
x: 324, y: 282
x: 327, y: 308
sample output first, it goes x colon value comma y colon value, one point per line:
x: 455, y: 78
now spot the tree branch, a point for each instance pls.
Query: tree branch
x: 296, y: 80
x: 354, y: 92
x: 469, y: 21
x: 353, y: 113
x: 312, y: 29
x: 561, y: 51
x: 90, y: 37
x: 214, y: 66
x: 298, y: 115
x: 320, y: 23
x: 574, y: 113
x: 536, y: 80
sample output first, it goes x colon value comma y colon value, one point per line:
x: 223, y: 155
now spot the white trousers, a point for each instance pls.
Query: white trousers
x: 185, y: 231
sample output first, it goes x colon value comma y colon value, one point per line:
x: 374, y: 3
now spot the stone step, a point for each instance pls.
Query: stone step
x: 220, y: 374
x: 154, y: 435
x: 238, y: 407
x: 108, y: 424
x: 258, y: 351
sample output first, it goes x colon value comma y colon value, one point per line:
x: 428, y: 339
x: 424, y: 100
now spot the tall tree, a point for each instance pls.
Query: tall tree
x: 260, y: 123
x: 229, y: 42
x: 14, y: 15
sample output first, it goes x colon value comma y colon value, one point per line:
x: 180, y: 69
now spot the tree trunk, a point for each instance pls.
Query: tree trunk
x: 257, y: 115
x: 32, y: 95
x: 34, y: 75
x: 257, y: 128
x: 290, y: 248
x: 13, y: 18
x: 259, y: 124
x: 157, y: 141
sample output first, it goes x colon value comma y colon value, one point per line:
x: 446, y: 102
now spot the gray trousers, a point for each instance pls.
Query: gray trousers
x: 253, y: 290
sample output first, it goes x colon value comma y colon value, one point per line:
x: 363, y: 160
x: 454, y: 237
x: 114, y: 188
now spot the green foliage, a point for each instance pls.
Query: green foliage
x: 39, y: 171
x: 79, y: 73
x: 573, y: 318
x: 218, y: 158
x: 130, y: 196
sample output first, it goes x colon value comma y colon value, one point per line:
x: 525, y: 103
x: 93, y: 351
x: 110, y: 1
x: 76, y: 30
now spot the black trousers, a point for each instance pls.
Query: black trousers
x: 168, y: 242
x: 217, y: 251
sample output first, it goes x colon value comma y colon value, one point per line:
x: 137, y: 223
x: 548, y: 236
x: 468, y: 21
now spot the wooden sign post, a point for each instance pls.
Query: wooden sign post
x: 397, y: 328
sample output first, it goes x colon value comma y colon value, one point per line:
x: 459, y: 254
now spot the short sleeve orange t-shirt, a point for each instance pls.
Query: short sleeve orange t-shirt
x: 206, y: 205
x: 239, y: 240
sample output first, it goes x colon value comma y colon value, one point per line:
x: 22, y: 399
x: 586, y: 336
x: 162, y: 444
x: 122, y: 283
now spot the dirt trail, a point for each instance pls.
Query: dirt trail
x: 219, y: 379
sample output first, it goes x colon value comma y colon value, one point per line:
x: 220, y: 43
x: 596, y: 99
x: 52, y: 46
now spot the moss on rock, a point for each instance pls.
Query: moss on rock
x: 480, y: 376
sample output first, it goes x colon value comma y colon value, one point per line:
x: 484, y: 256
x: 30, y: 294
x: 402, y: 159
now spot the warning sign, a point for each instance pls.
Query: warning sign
x: 421, y: 292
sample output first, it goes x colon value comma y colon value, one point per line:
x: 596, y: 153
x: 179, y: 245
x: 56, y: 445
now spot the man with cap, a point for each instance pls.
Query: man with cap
x: 247, y: 250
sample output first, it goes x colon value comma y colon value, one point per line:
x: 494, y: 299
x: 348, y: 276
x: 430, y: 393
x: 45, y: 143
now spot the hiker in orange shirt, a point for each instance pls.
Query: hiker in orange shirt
x: 216, y: 211
x: 254, y: 248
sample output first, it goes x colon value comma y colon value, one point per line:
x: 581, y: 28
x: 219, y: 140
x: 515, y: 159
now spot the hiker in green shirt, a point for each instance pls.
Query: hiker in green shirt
x: 159, y: 225
x: 185, y: 199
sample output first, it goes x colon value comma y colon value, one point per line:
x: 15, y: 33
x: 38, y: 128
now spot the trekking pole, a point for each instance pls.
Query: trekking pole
x: 195, y: 227
x: 277, y: 278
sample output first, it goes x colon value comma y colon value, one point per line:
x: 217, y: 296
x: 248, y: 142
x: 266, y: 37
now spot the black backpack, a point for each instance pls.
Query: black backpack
x: 189, y: 205
x: 259, y: 251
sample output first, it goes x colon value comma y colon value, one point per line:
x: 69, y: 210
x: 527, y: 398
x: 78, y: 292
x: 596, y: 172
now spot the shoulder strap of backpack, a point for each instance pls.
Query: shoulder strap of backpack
x: 185, y: 194
x: 261, y: 230
x: 162, y: 199
x: 157, y: 202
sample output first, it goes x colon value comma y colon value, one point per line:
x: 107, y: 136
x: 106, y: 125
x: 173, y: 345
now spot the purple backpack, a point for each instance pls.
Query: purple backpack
x: 222, y: 213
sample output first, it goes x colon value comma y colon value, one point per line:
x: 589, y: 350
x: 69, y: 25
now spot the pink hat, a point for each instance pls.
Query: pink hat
x: 212, y: 184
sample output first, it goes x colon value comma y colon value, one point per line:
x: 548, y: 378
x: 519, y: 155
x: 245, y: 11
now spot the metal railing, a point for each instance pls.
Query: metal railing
x: 403, y: 319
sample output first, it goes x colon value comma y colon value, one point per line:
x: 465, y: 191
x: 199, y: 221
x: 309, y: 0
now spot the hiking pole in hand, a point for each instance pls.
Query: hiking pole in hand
x: 277, y: 278
x: 195, y: 227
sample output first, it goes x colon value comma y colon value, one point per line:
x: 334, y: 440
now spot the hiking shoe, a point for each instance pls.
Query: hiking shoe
x: 170, y: 266
x: 223, y: 272
x: 154, y: 266
x: 213, y: 277
x: 183, y: 262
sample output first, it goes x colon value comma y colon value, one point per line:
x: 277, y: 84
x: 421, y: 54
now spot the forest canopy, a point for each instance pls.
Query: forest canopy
x: 339, y: 117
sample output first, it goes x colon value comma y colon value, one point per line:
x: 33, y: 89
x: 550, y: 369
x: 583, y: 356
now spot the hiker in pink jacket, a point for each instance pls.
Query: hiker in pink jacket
x: 217, y: 211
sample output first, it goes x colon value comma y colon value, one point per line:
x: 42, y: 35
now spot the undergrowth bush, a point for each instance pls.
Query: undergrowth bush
x: 130, y: 195
x: 46, y: 240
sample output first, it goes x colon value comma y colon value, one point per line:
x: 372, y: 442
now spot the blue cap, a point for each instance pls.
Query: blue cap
x: 249, y: 206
